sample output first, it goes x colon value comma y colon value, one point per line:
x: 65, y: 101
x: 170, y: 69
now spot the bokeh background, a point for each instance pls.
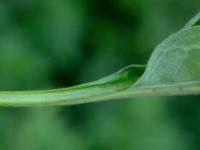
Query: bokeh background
x: 48, y: 44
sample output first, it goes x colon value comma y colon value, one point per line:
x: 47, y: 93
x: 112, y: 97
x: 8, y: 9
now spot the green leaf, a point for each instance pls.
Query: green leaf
x: 176, y: 60
x: 173, y: 69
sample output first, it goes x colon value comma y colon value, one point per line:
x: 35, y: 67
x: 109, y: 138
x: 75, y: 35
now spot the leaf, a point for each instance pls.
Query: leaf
x: 173, y: 69
x: 176, y: 60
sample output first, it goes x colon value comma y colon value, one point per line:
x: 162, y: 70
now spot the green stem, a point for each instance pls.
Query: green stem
x: 102, y: 89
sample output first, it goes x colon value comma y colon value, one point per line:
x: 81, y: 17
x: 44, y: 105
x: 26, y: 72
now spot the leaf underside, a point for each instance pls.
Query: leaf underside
x: 173, y: 69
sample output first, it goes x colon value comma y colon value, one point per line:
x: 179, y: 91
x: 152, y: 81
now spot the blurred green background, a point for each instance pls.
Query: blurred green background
x: 48, y: 44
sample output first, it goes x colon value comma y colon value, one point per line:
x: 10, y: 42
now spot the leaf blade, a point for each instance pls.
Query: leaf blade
x: 175, y: 60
